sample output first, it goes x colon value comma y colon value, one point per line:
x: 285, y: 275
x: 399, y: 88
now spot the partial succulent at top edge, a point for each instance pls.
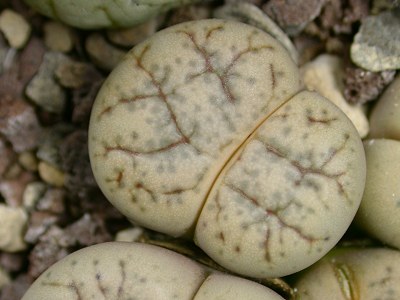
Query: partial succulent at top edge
x: 101, y: 14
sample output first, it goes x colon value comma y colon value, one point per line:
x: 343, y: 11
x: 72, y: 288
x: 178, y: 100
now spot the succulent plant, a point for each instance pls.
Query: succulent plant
x: 353, y: 273
x: 202, y: 131
x: 120, y: 270
x: 100, y: 14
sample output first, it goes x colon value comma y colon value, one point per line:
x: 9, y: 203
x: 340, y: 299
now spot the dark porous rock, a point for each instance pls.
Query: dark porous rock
x: 362, y: 86
x: 50, y: 142
x: 19, y: 124
x: 83, y: 99
x: 292, y: 16
x: 75, y: 163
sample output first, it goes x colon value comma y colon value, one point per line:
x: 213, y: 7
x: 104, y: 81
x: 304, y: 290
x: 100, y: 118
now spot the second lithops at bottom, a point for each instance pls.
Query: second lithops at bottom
x: 344, y: 274
x: 139, y: 271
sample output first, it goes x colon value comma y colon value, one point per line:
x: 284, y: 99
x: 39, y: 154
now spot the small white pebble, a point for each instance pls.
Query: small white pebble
x: 13, y: 223
x: 129, y: 235
x: 15, y: 28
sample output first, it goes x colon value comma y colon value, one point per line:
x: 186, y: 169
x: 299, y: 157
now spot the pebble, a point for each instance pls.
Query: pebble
x: 13, y: 189
x: 19, y: 124
x: 83, y: 99
x: 189, y: 13
x: 3, y: 54
x: 51, y: 174
x: 4, y: 278
x: 75, y: 162
x: 31, y: 59
x: 58, y: 37
x: 381, y: 5
x: 49, y: 147
x: 130, y: 37
x: 39, y: 223
x: 104, y: 55
x: 15, y: 28
x: 252, y: 15
x: 129, y: 235
x: 47, y: 251
x: 88, y: 230
x: 28, y: 160
x: 12, y: 262
x: 13, y: 223
x: 52, y: 201
x: 7, y: 157
x: 43, y: 88
x: 32, y: 194
x: 376, y: 46
x: 17, y: 288
x: 324, y: 75
x: 293, y: 16
x: 74, y: 74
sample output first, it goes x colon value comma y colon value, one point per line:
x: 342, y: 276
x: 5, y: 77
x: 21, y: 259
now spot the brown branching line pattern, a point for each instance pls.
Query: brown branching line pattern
x: 123, y: 279
x: 118, y: 178
x: 71, y: 286
x: 321, y: 121
x: 223, y: 76
x: 136, y: 98
x: 275, y: 213
x: 161, y: 94
x: 103, y: 290
x: 304, y: 171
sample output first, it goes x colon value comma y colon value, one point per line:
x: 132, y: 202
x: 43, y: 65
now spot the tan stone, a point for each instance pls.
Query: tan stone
x: 58, y: 37
x: 51, y: 174
x: 13, y: 224
x: 15, y: 28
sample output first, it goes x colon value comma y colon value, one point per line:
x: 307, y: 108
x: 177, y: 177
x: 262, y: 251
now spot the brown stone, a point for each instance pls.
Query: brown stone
x: 292, y: 16
x: 18, y: 123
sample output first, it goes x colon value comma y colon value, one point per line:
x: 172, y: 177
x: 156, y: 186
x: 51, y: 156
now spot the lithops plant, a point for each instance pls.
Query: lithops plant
x: 379, y: 212
x: 201, y: 131
x: 367, y: 274
x: 104, y: 13
x: 120, y: 270
x: 385, y: 120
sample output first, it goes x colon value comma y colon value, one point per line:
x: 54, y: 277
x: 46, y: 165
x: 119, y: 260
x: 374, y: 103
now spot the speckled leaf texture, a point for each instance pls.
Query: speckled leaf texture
x: 202, y: 130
